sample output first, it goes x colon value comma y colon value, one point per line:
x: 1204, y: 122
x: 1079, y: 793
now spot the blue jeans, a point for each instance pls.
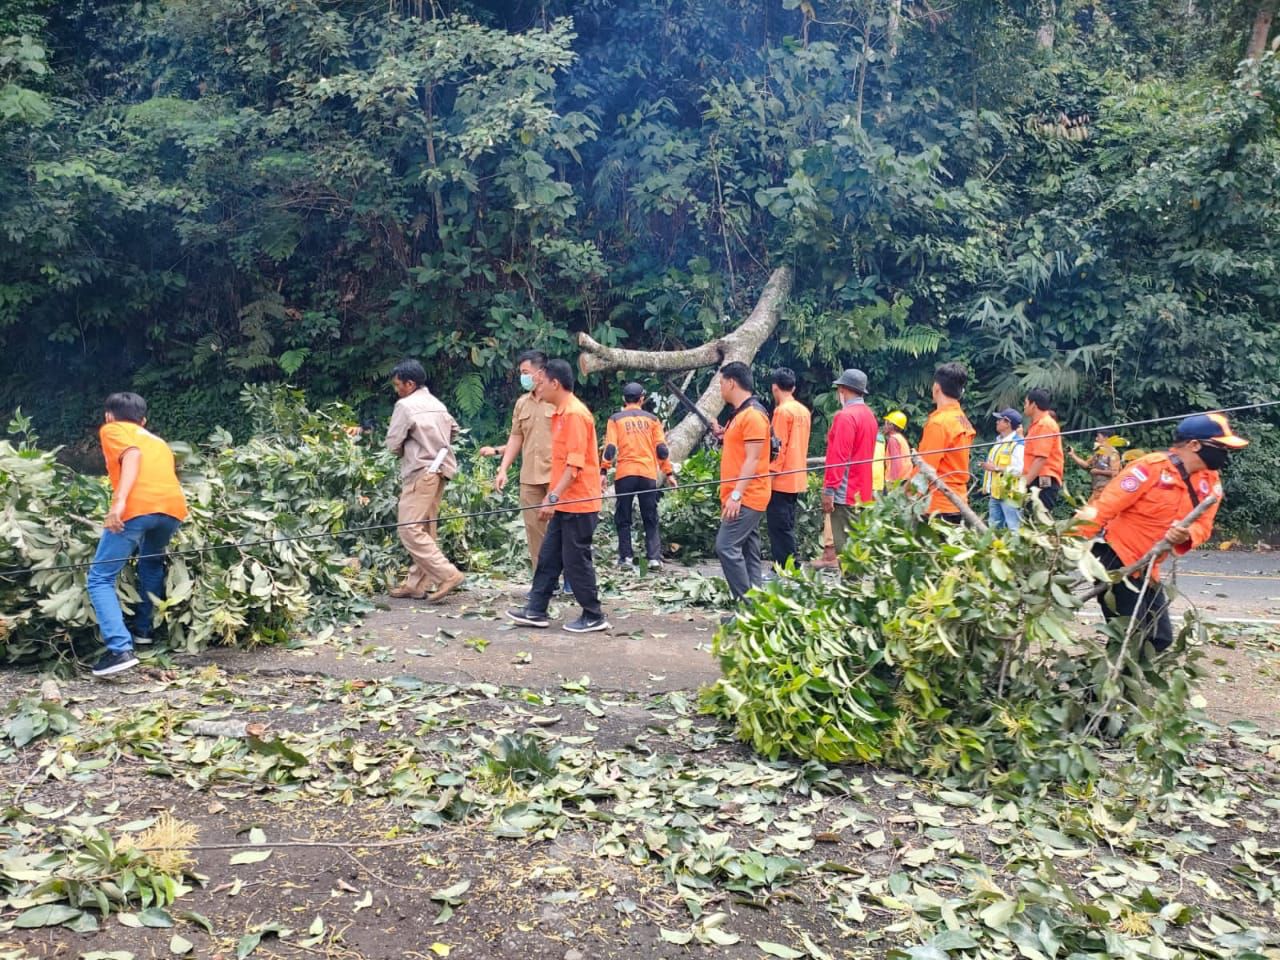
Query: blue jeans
x: 1002, y: 513
x: 148, y: 534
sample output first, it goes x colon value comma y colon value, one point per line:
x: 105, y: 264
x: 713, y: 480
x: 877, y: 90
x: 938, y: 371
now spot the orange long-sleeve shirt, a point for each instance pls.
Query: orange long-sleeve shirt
x: 635, y: 442
x: 1136, y: 509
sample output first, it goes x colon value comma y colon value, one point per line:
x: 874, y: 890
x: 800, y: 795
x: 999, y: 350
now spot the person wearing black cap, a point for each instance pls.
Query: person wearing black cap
x: 1002, y: 470
x: 1146, y: 503
x: 636, y: 446
x: 851, y: 451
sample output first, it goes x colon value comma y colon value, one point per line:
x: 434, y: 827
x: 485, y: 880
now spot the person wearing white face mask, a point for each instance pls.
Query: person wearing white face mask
x: 530, y: 440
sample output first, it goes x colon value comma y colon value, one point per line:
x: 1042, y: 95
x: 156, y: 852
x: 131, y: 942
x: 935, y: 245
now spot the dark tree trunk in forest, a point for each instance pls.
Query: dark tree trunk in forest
x: 1261, y: 29
x: 1048, y: 28
x: 742, y: 344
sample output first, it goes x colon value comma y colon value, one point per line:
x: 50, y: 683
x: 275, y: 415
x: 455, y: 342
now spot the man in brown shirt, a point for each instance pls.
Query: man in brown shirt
x: 531, y: 441
x: 420, y: 434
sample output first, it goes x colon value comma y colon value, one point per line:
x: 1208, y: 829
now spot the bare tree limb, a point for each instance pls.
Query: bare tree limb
x: 741, y: 344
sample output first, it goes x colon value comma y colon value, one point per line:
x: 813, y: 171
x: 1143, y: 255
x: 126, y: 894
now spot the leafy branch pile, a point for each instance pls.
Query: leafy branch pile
x: 299, y: 475
x: 948, y: 653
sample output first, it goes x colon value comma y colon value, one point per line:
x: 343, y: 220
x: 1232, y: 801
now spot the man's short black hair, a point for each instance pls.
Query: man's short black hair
x: 535, y: 357
x: 126, y: 406
x: 1040, y: 397
x: 739, y: 373
x: 561, y: 373
x: 951, y: 379
x: 784, y: 378
x: 410, y: 371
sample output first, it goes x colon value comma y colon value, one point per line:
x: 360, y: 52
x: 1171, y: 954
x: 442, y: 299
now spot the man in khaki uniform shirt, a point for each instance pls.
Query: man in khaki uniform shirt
x: 420, y: 434
x: 531, y: 441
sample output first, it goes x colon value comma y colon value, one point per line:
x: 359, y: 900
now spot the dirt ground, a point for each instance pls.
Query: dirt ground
x: 400, y: 837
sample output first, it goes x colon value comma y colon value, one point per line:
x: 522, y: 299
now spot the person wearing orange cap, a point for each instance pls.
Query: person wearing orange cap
x: 1043, y: 460
x: 946, y: 440
x: 636, y: 447
x: 1145, y: 503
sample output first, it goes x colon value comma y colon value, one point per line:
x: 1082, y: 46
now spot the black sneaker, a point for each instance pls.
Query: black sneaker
x: 586, y: 624
x: 142, y: 641
x: 528, y: 618
x: 113, y: 663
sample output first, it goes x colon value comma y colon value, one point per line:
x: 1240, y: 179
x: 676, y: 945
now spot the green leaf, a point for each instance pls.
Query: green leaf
x: 998, y: 914
x: 155, y: 917
x: 45, y: 915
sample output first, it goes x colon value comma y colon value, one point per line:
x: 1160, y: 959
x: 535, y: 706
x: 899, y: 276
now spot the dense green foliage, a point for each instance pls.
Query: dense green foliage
x: 950, y: 654
x: 200, y: 192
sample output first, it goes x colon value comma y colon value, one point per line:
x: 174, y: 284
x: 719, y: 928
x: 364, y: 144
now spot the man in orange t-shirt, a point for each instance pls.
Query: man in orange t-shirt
x: 1043, y: 460
x: 744, y: 480
x: 147, y: 507
x: 946, y: 440
x: 788, y: 479
x: 572, y: 506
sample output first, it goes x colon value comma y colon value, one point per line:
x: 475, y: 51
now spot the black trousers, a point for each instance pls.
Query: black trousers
x: 629, y: 490
x: 1121, y: 600
x: 567, y: 548
x: 780, y: 518
x: 1049, y: 496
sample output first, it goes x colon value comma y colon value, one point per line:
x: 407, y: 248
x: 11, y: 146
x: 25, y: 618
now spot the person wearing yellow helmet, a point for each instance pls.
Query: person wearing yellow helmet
x: 893, y: 453
x: 1104, y: 463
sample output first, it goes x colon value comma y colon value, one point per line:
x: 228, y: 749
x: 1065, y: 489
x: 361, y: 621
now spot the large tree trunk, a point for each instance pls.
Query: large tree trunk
x: 742, y: 344
x: 1047, y: 30
x: 1261, y: 29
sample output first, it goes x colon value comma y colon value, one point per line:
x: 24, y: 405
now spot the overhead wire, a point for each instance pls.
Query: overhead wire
x: 13, y: 572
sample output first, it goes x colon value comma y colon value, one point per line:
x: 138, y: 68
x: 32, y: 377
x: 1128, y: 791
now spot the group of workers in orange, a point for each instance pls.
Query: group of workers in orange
x: 1134, y: 505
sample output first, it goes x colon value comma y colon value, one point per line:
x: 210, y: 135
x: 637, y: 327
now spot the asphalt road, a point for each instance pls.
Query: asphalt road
x: 1230, y: 585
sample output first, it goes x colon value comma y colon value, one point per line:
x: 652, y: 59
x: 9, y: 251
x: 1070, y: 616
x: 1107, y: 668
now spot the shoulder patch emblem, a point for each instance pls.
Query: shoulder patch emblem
x: 1204, y: 487
x: 1138, y: 474
x: 1217, y: 489
x: 1129, y: 483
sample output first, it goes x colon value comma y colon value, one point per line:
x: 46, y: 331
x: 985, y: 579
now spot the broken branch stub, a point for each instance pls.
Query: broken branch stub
x: 741, y: 344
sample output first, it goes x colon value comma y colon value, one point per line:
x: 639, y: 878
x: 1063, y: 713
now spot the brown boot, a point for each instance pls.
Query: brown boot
x: 827, y: 560
x: 406, y: 592
x: 447, y: 587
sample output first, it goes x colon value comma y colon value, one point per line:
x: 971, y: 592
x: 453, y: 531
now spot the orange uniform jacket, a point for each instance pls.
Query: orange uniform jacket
x: 635, y: 442
x: 1044, y: 440
x: 1139, y: 505
x: 946, y: 430
x: 791, y: 425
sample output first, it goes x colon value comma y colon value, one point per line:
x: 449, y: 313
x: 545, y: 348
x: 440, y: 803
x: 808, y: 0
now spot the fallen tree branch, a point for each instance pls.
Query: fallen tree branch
x: 741, y: 344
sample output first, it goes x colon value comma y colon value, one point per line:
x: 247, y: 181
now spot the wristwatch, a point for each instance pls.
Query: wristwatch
x: 736, y: 496
x: 553, y: 498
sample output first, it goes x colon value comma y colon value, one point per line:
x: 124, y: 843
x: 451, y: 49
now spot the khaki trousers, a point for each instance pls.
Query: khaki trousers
x: 828, y: 535
x: 420, y: 500
x: 535, y: 528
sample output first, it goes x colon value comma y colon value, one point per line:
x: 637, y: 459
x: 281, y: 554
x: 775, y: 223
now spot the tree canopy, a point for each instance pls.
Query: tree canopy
x: 201, y: 193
